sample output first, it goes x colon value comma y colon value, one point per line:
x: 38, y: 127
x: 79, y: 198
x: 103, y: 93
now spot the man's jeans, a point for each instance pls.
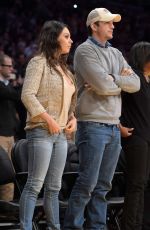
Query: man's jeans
x: 99, y: 148
x: 47, y: 156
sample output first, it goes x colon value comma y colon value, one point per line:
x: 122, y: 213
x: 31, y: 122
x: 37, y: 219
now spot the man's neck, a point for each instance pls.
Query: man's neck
x: 100, y: 40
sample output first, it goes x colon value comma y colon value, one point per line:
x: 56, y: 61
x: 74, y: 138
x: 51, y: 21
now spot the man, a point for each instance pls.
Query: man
x: 101, y: 73
x: 8, y: 97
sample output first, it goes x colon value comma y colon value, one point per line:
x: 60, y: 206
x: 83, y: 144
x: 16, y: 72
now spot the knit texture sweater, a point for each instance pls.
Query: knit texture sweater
x: 43, y: 91
x: 94, y: 65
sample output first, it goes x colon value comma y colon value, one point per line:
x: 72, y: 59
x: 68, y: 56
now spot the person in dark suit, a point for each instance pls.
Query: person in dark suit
x: 8, y: 119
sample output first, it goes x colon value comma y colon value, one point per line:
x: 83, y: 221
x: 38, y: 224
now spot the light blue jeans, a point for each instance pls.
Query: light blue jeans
x: 99, y: 148
x: 47, y: 157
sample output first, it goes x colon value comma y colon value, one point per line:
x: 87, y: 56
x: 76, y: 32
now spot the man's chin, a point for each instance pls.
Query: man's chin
x: 110, y: 37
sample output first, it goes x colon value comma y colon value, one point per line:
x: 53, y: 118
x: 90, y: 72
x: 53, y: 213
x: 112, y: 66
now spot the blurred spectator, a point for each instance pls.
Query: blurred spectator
x: 8, y: 118
x: 21, y: 63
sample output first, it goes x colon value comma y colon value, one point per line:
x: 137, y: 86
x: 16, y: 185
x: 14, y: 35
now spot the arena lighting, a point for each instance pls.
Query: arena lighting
x: 75, y: 6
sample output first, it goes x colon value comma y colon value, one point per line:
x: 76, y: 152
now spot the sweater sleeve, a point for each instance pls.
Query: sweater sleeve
x: 31, y: 85
x: 129, y: 83
x: 87, y: 65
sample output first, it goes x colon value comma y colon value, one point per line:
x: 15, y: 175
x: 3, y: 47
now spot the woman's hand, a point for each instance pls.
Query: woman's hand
x: 52, y: 124
x: 125, y: 131
x: 71, y: 125
x: 87, y: 86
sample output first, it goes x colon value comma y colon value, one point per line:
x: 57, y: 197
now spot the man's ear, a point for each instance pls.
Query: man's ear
x: 94, y: 27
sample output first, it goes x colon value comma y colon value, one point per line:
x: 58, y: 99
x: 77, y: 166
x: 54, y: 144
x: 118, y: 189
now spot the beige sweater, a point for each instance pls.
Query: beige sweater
x: 43, y: 91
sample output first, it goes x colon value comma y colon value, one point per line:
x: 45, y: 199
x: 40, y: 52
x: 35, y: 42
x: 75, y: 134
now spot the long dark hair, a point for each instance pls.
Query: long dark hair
x: 49, y: 46
x: 139, y: 55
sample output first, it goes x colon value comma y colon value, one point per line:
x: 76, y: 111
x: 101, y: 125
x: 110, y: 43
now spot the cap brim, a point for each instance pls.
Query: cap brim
x: 117, y: 18
x: 112, y: 17
x: 106, y: 18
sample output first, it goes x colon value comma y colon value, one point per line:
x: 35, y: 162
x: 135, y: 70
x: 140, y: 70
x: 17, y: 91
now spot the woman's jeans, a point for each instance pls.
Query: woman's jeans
x: 47, y: 157
x: 137, y: 153
x: 99, y: 149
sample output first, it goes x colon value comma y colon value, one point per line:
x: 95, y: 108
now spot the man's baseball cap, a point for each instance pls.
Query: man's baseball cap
x: 102, y: 15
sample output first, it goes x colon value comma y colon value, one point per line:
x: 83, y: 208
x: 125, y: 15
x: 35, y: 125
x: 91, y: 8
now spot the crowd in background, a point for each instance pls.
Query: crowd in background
x: 21, y: 22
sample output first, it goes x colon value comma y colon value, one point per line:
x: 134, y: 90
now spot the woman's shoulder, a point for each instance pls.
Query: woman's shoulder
x: 38, y: 59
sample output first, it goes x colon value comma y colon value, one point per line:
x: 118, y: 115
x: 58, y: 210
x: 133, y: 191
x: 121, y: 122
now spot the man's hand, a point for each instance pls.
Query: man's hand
x: 126, y: 72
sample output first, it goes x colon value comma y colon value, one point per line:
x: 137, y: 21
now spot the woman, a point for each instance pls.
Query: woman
x: 136, y: 139
x: 49, y: 96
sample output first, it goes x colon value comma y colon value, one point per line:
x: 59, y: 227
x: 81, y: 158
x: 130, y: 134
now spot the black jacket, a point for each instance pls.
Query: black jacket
x: 8, y: 97
x: 136, y: 110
